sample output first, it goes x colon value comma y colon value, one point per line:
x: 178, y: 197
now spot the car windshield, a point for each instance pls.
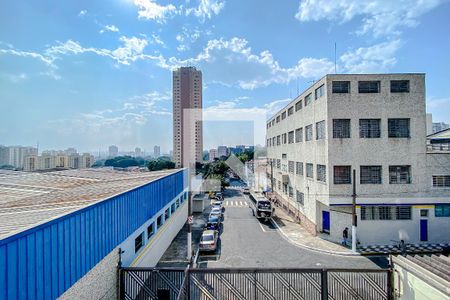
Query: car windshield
x: 207, y: 238
x: 263, y: 204
x: 213, y: 220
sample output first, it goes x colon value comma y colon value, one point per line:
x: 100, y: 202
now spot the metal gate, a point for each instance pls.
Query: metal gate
x: 273, y: 284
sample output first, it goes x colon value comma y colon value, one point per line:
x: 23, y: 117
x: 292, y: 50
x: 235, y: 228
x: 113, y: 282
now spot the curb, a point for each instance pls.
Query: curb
x: 312, y: 248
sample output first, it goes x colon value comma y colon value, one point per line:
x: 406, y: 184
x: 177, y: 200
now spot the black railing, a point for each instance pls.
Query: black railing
x: 251, y: 283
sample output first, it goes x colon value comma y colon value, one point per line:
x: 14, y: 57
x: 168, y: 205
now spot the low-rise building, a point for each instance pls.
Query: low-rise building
x: 374, y: 124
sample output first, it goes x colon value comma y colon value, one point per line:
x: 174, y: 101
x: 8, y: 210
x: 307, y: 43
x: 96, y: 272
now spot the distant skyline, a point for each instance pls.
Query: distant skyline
x: 92, y: 74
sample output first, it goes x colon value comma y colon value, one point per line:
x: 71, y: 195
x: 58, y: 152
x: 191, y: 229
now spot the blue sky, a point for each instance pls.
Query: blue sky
x: 93, y: 73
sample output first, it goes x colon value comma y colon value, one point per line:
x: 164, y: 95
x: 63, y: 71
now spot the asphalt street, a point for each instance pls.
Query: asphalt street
x: 247, y: 242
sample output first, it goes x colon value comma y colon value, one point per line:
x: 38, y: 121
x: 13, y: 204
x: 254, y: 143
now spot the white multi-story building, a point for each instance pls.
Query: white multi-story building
x: 222, y: 151
x: 374, y: 124
x: 213, y: 154
x: 113, y: 151
x: 59, y: 161
x: 156, y: 151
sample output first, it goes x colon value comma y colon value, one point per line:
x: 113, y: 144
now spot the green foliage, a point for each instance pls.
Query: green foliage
x: 7, y: 167
x: 125, y: 162
x: 247, y: 155
x: 160, y: 164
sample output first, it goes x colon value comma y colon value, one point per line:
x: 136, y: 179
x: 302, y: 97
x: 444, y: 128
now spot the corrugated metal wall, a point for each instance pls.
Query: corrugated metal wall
x: 44, y: 261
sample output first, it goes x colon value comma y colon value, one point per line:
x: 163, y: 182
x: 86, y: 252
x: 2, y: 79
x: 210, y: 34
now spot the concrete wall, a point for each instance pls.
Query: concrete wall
x: 413, y: 282
x: 99, y: 283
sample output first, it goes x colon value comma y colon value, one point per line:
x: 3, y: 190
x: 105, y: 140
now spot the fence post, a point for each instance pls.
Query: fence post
x: 121, y: 294
x: 324, y: 284
x: 390, y: 284
x: 188, y: 288
x: 254, y: 276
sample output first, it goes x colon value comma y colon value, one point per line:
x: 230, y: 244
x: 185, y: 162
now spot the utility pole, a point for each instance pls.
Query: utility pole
x: 271, y: 176
x: 189, y: 220
x: 354, y: 213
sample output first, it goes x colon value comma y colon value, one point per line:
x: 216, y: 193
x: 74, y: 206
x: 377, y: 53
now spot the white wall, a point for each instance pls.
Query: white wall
x: 154, y: 248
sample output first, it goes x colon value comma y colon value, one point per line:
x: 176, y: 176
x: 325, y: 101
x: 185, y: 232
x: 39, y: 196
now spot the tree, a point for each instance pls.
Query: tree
x: 160, y: 164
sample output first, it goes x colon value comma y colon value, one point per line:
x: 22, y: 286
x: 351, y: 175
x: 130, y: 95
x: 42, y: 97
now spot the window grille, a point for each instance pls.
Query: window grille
x: 321, y: 173
x: 385, y: 212
x: 342, y: 175
x: 308, y: 133
x: 291, y: 167
x: 320, y: 130
x: 370, y: 175
x: 309, y: 170
x: 369, y: 128
x: 441, y: 180
x: 369, y: 86
x: 299, y: 135
x: 291, y: 137
x: 341, y: 87
x: 442, y: 210
x: 398, y: 128
x: 299, y: 168
x: 341, y: 128
x: 399, y: 86
x: 291, y: 192
x: 399, y: 174
x: 300, y: 197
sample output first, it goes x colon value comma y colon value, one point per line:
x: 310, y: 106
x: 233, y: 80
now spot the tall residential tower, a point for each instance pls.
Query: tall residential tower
x: 187, y: 94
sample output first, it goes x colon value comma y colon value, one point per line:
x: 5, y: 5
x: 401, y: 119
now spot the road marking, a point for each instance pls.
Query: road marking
x: 240, y: 203
x: 262, y: 228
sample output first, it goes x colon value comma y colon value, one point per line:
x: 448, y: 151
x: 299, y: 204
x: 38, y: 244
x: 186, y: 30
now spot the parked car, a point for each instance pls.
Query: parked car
x: 217, y: 204
x: 246, y: 190
x: 216, y: 211
x: 213, y: 223
x: 208, y: 241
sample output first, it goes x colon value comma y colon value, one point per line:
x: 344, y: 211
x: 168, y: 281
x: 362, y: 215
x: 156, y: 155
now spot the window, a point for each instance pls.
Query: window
x: 291, y: 166
x: 342, y: 175
x: 150, y: 230
x: 278, y: 119
x: 283, y: 155
x: 299, y: 105
x: 178, y: 202
x: 369, y: 128
x: 159, y: 221
x: 341, y: 128
x: 138, y: 242
x: 284, y: 138
x: 291, y: 192
x: 278, y: 140
x: 279, y: 185
x: 399, y: 86
x: 167, y: 214
x: 299, y: 168
x: 441, y: 180
x: 290, y: 110
x: 300, y: 197
x: 341, y: 87
x: 370, y: 175
x: 310, y: 170
x: 274, y: 139
x: 369, y: 86
x: 424, y: 213
x: 278, y: 164
x: 386, y: 212
x: 308, y: 133
x: 398, y: 128
x: 172, y: 208
x: 442, y: 210
x: 320, y: 130
x: 399, y: 174
x: 298, y: 135
x: 321, y: 173
x: 403, y: 212
x: 320, y: 91
x: 291, y: 137
x: 308, y: 99
x: 283, y: 115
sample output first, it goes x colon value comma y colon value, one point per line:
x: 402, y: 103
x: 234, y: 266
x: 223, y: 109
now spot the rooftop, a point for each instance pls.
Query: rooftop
x: 29, y: 199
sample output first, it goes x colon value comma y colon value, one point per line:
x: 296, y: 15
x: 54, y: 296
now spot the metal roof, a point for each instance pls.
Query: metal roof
x: 28, y: 199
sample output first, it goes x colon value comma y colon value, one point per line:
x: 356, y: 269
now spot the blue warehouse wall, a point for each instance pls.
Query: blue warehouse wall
x: 44, y: 261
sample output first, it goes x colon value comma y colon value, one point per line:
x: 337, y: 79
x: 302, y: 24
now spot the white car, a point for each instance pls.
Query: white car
x: 217, y: 204
x: 208, y: 241
x: 216, y: 211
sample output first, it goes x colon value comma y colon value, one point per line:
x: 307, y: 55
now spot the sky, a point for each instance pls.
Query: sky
x: 89, y: 74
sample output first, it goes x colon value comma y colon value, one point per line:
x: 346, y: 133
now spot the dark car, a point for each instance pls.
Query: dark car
x: 213, y: 223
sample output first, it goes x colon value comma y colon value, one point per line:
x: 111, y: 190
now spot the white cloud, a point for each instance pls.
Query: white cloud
x: 233, y: 61
x: 376, y: 58
x: 150, y: 10
x: 111, y: 28
x: 381, y: 17
x: 156, y: 39
x: 206, y: 9
x: 82, y: 13
x: 186, y: 37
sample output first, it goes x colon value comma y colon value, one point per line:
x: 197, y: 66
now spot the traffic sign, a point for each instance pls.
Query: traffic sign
x: 190, y: 219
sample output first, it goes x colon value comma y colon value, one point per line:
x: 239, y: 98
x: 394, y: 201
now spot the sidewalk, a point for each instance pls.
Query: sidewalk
x: 298, y: 235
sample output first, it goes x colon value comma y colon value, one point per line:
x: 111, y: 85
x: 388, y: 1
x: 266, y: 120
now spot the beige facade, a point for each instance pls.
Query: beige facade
x: 374, y: 124
x: 187, y: 94
x: 48, y: 162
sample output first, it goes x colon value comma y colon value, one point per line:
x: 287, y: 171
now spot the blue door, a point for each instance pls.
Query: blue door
x: 326, y: 221
x: 423, y: 230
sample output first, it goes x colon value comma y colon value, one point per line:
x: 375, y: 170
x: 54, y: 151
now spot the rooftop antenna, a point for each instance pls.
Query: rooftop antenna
x: 335, y: 66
